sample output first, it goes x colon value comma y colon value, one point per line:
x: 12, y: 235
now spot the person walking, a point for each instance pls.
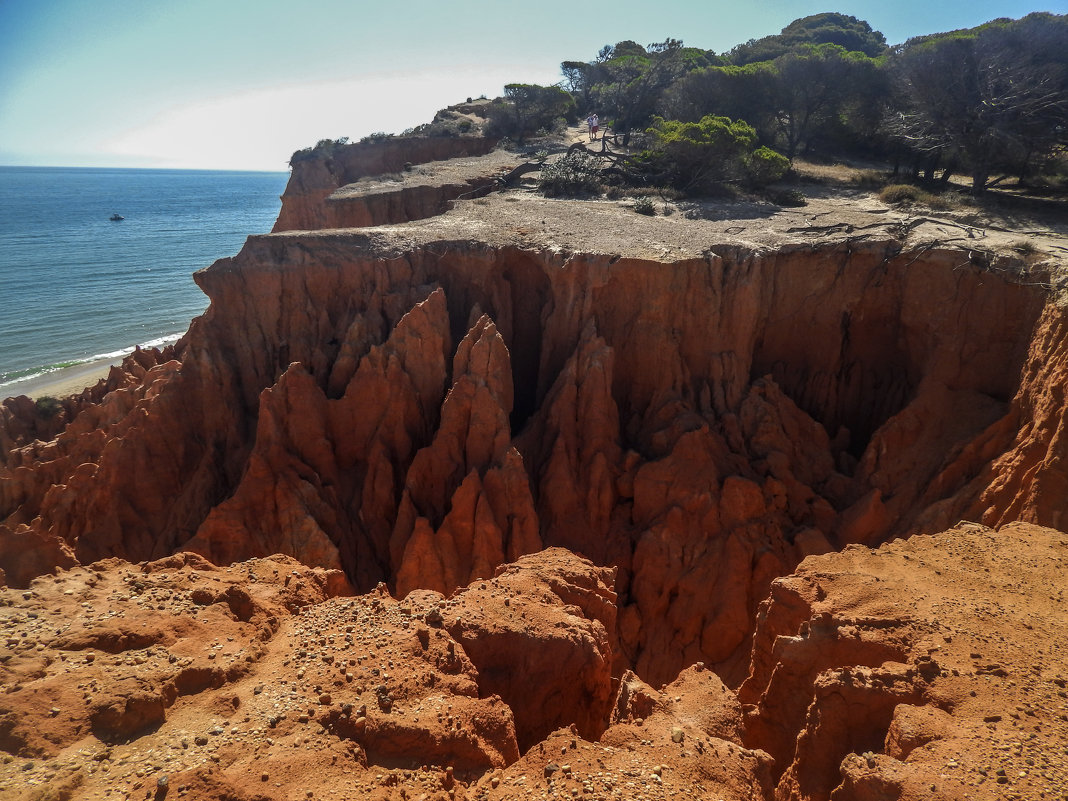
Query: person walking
x: 594, y: 125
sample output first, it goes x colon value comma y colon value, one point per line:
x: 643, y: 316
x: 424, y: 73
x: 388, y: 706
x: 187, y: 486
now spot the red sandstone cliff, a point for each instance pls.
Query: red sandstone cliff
x: 428, y: 410
x: 666, y: 420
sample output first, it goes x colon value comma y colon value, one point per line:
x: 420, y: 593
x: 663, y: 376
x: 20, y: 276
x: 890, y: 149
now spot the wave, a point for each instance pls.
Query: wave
x: 29, y: 373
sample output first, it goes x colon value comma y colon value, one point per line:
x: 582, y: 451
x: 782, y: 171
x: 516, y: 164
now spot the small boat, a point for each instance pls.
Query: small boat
x: 116, y: 217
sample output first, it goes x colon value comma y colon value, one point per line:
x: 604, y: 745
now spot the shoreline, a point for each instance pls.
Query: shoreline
x: 63, y: 382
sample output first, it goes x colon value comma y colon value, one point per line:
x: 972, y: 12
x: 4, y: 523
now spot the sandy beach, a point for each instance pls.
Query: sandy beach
x: 60, y: 383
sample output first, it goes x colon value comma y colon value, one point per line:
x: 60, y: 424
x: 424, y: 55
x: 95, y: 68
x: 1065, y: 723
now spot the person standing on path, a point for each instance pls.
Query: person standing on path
x: 592, y: 122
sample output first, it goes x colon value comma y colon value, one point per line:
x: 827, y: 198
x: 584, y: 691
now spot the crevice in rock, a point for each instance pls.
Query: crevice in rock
x: 529, y: 290
x: 850, y: 712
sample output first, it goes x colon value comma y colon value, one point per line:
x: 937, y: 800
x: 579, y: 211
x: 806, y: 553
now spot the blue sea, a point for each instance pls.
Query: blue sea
x: 76, y: 287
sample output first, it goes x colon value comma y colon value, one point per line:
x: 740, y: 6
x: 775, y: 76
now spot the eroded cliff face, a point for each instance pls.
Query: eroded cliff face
x: 421, y: 416
x: 315, y: 178
x: 570, y: 462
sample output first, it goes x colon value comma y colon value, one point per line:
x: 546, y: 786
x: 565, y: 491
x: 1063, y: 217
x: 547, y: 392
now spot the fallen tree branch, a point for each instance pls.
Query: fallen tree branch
x: 836, y: 228
x: 517, y: 172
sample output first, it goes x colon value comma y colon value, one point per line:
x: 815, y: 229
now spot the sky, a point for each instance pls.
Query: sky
x: 242, y: 84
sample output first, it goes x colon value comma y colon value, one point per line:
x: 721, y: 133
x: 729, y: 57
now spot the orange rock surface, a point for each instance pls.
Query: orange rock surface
x: 933, y: 667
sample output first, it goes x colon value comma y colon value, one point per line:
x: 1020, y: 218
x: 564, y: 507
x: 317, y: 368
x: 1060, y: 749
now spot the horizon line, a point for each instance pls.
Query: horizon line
x: 104, y: 167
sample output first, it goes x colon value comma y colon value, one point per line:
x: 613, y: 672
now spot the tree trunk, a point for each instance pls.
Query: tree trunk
x: 930, y: 166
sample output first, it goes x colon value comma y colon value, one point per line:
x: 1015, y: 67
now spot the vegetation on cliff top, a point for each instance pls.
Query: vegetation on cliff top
x: 990, y: 102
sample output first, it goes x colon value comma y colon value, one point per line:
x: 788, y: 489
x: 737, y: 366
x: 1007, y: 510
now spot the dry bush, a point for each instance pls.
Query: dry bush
x: 908, y: 194
x: 666, y: 193
x: 643, y: 204
x: 840, y: 174
x: 868, y: 178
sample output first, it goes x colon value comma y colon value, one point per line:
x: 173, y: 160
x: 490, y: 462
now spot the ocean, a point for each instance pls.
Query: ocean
x: 76, y: 287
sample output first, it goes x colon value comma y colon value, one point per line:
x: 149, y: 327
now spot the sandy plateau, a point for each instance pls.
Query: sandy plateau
x: 460, y: 492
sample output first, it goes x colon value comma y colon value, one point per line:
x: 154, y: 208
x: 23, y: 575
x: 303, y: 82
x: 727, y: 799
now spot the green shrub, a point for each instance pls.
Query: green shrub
x: 790, y: 198
x: 324, y: 148
x: 644, y: 205
x: 575, y: 174
x: 47, y: 407
x: 693, y: 155
x: 702, y: 155
x: 443, y: 126
x: 765, y: 166
x: 894, y: 194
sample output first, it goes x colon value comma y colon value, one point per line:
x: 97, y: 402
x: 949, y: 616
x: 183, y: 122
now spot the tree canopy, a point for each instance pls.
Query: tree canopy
x: 992, y: 100
x: 847, y: 32
x: 528, y: 108
x: 624, y: 83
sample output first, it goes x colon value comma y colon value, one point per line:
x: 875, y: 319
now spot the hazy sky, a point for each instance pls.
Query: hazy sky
x: 241, y: 84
